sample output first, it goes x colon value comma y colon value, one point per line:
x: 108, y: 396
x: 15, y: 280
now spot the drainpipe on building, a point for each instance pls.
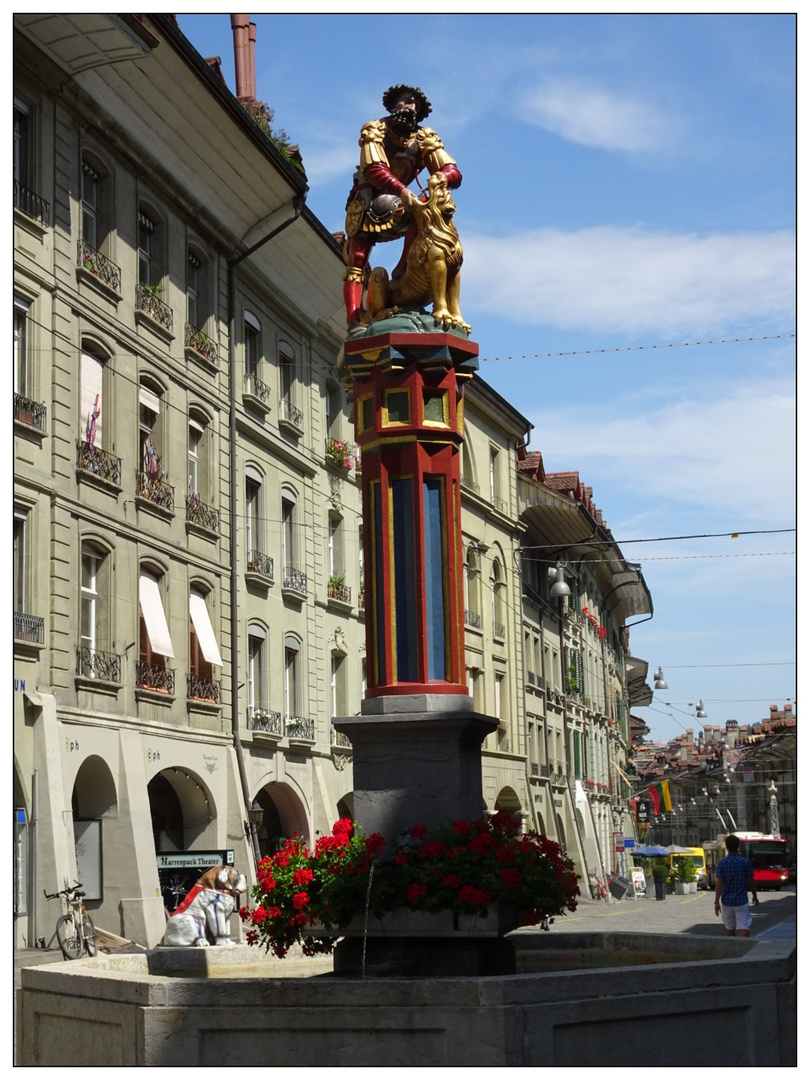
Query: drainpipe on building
x: 298, y: 206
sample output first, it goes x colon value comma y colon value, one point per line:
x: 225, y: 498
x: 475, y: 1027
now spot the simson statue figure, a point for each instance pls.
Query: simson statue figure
x: 393, y: 151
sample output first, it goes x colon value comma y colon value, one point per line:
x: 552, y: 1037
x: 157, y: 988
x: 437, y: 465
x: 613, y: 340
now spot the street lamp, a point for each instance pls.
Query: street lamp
x: 660, y: 683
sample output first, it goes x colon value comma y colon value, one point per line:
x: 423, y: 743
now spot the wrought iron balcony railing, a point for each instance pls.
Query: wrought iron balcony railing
x: 340, y: 592
x: 295, y: 579
x: 261, y: 719
x: 300, y: 727
x: 500, y: 504
x: 472, y: 618
x: 200, y: 342
x: 257, y: 563
x: 151, y: 305
x: 29, y: 628
x: 498, y: 629
x: 95, y: 664
x: 199, y: 513
x: 361, y: 599
x: 153, y: 677
x: 291, y: 413
x: 256, y: 388
x: 530, y: 678
x: 155, y: 490
x: 468, y: 483
x: 31, y: 204
x: 100, y: 266
x: 339, y: 739
x: 30, y: 412
x: 92, y: 459
x: 535, y: 769
x: 202, y: 689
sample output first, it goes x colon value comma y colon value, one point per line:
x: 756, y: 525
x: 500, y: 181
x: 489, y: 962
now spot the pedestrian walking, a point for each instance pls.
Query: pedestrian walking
x: 735, y: 879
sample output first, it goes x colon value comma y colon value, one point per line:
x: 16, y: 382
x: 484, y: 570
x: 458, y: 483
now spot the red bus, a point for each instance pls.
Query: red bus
x: 767, y: 854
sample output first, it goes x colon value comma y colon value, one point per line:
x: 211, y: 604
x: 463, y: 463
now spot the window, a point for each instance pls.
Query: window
x: 198, y: 445
x: 94, y: 659
x: 22, y: 152
x: 90, y: 600
x: 253, y: 346
x: 253, y: 493
x: 193, y: 290
x: 336, y: 567
x: 257, y: 694
x: 494, y: 484
x: 21, y: 361
x: 150, y: 439
x: 288, y: 547
x: 91, y: 182
x: 286, y: 365
x: 498, y: 600
x: 25, y: 198
x: 203, y: 650
x: 334, y: 411
x: 472, y: 612
x: 155, y: 642
x: 291, y: 693
x: 91, y: 418
x: 20, y: 560
x: 150, y: 269
x: 339, y: 702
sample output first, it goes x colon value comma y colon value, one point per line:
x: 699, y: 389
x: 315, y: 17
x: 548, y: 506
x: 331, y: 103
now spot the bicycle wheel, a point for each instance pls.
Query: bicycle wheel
x: 69, y: 938
x: 89, y: 936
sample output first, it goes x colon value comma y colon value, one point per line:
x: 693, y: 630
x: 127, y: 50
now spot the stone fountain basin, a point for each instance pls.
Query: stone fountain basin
x: 579, y: 999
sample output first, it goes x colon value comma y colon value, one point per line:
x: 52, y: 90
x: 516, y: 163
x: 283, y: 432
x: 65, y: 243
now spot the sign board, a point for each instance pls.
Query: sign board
x: 618, y: 842
x: 639, y: 884
x: 179, y: 870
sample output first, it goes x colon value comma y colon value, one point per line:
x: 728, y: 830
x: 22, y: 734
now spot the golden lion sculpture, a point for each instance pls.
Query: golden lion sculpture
x: 433, y: 264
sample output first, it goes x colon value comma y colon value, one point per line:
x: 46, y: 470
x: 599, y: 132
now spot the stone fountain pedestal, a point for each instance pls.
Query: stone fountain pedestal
x: 417, y: 761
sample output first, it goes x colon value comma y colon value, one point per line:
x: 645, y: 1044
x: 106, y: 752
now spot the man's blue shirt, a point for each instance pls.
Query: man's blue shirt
x: 734, y: 870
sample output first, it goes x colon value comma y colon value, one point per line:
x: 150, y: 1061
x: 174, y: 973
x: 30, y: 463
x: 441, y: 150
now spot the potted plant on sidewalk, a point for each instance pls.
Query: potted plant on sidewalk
x: 660, y: 872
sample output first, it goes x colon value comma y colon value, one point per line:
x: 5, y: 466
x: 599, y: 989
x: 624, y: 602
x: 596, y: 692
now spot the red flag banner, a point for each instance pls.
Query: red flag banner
x: 653, y: 790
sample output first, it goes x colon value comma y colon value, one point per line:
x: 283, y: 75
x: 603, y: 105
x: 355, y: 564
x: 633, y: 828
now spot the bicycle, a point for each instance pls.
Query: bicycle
x: 74, y: 928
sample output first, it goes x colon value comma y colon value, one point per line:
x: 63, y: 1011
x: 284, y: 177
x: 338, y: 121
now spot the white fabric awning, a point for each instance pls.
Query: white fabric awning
x: 205, y: 631
x: 152, y: 607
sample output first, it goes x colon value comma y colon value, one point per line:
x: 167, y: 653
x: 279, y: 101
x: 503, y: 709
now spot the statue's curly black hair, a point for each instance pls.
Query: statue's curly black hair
x: 391, y: 95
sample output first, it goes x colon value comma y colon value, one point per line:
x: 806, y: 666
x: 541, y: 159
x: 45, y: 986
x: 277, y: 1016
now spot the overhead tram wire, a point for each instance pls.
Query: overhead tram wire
x: 593, y: 542
x: 635, y: 348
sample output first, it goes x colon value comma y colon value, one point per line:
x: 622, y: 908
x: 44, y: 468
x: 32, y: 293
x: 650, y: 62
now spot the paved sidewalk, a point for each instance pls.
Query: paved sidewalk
x: 694, y: 914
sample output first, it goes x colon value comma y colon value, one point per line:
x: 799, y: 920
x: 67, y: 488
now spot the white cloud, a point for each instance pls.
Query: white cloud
x: 616, y: 280
x: 596, y: 117
x: 731, y: 454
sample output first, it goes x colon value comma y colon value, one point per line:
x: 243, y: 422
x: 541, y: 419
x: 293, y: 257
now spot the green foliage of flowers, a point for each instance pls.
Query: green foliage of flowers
x: 463, y: 867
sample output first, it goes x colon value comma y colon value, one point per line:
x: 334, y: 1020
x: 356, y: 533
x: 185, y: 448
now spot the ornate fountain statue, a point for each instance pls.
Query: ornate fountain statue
x: 381, y: 207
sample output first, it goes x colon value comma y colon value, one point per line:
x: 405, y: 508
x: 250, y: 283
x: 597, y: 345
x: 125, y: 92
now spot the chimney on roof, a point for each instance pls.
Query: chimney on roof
x: 243, y: 57
x: 252, y: 58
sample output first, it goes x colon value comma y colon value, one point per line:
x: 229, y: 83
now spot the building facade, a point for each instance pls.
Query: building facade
x: 188, y: 536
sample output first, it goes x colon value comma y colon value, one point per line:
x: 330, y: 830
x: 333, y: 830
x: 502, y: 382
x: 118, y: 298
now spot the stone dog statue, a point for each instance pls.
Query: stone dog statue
x: 204, y: 916
x: 433, y: 264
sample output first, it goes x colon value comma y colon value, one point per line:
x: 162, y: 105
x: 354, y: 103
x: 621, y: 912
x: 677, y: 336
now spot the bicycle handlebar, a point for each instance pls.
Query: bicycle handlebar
x: 65, y: 892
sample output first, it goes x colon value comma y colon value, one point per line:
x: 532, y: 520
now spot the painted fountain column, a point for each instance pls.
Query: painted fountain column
x: 417, y: 742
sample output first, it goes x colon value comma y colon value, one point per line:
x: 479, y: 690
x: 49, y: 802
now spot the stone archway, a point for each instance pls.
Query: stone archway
x: 508, y: 800
x: 182, y: 811
x: 283, y: 816
x: 345, y: 806
x: 93, y: 800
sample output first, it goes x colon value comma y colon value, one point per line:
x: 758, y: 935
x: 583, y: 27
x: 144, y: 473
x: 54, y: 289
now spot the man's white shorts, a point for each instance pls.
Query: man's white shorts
x: 736, y: 918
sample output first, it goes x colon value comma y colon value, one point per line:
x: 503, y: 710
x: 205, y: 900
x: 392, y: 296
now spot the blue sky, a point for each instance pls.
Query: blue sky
x: 629, y: 180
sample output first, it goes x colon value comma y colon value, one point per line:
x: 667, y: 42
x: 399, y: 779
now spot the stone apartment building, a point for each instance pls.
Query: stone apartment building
x: 188, y: 542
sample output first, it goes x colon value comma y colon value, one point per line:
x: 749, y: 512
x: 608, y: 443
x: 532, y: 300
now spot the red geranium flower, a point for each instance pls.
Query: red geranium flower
x: 415, y: 892
x: 418, y: 830
x: 302, y: 876
x: 300, y: 899
x: 511, y: 878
